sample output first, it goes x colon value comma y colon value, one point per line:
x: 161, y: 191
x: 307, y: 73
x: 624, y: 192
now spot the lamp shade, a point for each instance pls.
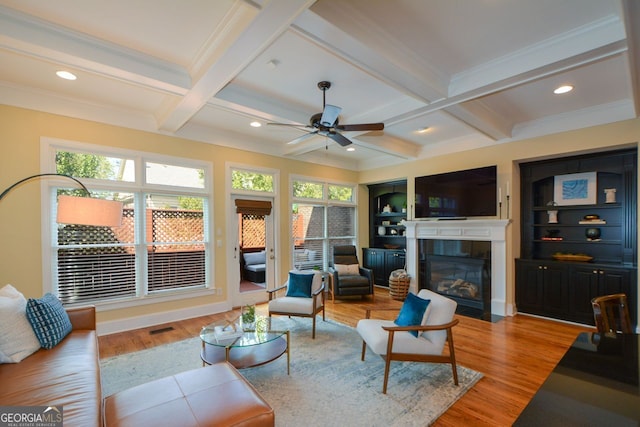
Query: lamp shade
x: 89, y: 211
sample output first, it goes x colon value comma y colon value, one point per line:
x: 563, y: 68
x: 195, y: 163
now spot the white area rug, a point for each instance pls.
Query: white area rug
x: 328, y: 385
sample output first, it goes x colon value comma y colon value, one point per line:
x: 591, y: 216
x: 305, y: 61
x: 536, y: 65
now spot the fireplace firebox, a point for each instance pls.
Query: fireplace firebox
x: 460, y: 270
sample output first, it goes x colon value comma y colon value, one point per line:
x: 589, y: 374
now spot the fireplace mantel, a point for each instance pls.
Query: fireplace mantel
x: 491, y: 230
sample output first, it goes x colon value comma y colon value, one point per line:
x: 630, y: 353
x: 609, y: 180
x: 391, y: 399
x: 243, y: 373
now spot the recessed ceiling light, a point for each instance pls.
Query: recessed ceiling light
x: 351, y: 149
x: 67, y: 75
x: 255, y: 124
x: 424, y: 129
x: 563, y: 89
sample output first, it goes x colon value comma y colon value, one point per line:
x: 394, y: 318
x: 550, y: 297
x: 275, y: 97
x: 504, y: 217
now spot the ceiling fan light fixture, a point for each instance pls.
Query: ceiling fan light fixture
x: 327, y: 123
x: 563, y: 89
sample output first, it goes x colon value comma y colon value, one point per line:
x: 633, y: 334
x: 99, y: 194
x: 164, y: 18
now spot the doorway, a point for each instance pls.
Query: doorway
x: 252, y: 266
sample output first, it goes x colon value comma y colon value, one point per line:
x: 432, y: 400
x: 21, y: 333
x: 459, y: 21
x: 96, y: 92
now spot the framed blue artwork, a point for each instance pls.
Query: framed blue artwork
x: 575, y: 189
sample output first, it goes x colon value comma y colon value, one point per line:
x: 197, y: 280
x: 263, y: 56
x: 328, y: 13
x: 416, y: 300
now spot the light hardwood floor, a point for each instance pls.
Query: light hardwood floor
x: 515, y: 354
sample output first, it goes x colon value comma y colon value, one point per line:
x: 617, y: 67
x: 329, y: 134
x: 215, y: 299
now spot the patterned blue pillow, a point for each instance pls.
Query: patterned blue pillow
x: 48, y: 319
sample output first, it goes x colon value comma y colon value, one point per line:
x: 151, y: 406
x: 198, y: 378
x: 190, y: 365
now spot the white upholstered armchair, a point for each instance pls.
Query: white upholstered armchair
x: 301, y: 295
x: 422, y: 340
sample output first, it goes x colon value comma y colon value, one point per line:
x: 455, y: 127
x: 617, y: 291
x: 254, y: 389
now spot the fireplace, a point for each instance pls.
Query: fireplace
x: 471, y: 240
x: 460, y: 270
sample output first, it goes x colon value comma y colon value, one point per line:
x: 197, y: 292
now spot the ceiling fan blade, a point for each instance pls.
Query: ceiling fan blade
x: 330, y: 115
x: 302, y: 138
x: 301, y: 127
x: 339, y: 138
x: 361, y: 127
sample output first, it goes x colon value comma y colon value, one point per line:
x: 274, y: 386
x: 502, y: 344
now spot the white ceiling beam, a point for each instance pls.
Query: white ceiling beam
x: 572, y: 44
x: 309, y: 145
x: 270, y: 23
x: 39, y: 39
x: 389, y: 145
x: 583, y: 45
x: 379, y: 58
x: 631, y: 9
x: 477, y: 115
x: 511, y: 81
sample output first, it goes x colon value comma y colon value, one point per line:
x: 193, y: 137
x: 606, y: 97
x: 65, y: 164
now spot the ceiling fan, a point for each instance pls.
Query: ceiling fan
x: 326, y: 123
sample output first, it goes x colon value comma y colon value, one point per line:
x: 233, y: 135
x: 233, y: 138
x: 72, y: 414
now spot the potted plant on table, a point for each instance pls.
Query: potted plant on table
x: 248, y: 317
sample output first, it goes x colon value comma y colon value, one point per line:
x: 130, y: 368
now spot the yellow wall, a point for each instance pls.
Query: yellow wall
x: 20, y: 133
x: 21, y: 130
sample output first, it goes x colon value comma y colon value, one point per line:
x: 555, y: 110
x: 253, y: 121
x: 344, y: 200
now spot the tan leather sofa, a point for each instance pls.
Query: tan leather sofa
x: 68, y: 375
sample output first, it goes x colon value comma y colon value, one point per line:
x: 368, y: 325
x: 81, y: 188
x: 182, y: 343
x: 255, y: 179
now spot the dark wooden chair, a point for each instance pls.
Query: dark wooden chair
x: 611, y: 314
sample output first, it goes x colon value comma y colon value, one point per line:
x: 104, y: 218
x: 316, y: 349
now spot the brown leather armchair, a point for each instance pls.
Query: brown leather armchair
x: 347, y: 279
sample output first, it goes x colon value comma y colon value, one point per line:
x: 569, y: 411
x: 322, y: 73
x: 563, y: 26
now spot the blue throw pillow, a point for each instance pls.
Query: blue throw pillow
x: 412, y: 312
x: 300, y: 285
x: 49, y: 320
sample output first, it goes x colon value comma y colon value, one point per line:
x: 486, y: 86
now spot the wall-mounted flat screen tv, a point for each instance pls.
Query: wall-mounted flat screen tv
x: 459, y: 194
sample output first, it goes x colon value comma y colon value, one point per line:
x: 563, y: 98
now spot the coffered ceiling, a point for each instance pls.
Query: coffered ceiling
x: 442, y: 75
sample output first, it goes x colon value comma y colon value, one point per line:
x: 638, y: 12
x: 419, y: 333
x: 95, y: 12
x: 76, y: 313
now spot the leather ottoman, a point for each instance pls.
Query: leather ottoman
x: 216, y: 395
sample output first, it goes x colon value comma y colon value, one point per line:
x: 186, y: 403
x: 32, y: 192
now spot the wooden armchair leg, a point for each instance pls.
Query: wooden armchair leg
x: 313, y: 328
x: 387, y: 367
x: 452, y: 355
x: 364, y: 350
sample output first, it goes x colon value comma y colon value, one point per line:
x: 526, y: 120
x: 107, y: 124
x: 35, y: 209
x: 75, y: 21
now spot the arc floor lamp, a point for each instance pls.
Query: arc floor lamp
x: 80, y: 210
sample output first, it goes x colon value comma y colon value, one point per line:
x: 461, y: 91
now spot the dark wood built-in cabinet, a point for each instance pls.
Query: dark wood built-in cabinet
x: 549, y: 282
x: 387, y: 241
x: 383, y: 262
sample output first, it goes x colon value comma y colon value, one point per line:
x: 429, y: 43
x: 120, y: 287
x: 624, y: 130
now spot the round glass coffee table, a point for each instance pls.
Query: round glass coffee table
x: 247, y: 347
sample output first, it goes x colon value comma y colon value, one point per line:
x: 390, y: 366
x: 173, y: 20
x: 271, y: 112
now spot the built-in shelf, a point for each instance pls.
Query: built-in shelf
x: 563, y: 289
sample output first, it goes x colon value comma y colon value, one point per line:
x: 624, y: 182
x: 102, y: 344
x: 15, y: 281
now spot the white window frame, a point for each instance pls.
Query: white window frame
x: 326, y: 202
x: 48, y: 148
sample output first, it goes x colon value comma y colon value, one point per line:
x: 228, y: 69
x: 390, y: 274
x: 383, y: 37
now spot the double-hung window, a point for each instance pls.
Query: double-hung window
x: 323, y: 216
x: 162, y: 247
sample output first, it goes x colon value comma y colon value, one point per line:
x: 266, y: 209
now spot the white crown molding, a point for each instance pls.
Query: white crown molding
x: 41, y: 100
x: 587, y: 117
x: 574, y: 43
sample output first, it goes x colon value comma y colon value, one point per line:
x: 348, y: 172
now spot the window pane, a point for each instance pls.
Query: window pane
x: 341, y: 221
x: 308, y: 222
x: 253, y: 228
x: 177, y: 176
x: 308, y: 236
x: 80, y: 165
x: 252, y: 181
x: 341, y: 193
x: 96, y: 263
x: 175, y: 266
x: 307, y: 190
x: 176, y: 242
x: 309, y: 255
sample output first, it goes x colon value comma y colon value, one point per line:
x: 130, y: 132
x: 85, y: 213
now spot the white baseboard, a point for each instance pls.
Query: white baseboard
x: 120, y: 325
